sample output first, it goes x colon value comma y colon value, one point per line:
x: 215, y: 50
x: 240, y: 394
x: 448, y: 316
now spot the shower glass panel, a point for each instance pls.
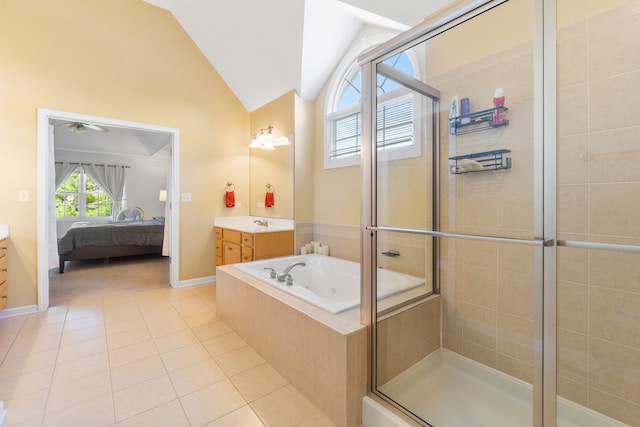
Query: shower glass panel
x: 598, y: 221
x: 456, y: 210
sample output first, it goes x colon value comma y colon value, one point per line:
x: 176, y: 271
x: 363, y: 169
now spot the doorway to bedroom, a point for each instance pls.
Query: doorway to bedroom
x: 91, y: 169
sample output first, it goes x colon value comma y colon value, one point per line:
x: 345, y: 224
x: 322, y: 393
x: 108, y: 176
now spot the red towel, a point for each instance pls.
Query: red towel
x: 268, y: 200
x: 230, y: 199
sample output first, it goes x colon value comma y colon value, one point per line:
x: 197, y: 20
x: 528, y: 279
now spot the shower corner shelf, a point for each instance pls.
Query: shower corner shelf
x: 480, y: 162
x: 479, y: 120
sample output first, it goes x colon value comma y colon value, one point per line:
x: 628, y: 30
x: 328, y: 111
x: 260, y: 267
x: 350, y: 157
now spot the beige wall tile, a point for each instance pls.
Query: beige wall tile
x: 515, y: 294
x: 572, y: 356
x: 616, y: 270
x: 573, y: 213
x: 614, y: 209
x: 515, y: 367
x: 614, y: 407
x: 574, y: 159
x: 515, y: 338
x: 573, y: 264
x: 480, y: 354
x: 573, y: 391
x: 615, y: 316
x: 480, y: 286
x: 481, y: 254
x: 515, y: 77
x: 612, y: 369
x: 572, y: 61
x: 572, y: 306
x: 515, y: 258
x: 614, y: 156
x: 479, y: 326
x: 614, y: 91
x: 610, y: 45
x: 572, y: 110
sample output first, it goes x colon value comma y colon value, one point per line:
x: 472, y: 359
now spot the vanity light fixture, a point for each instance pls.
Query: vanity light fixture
x: 266, y: 140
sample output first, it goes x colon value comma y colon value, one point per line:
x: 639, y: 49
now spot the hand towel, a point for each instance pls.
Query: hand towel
x: 268, y: 200
x: 230, y: 199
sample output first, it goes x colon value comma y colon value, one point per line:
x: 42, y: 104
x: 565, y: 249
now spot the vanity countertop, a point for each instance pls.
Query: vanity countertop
x: 4, y: 231
x: 247, y: 224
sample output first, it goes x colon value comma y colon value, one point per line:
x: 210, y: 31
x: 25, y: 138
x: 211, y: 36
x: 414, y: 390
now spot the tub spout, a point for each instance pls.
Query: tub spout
x: 283, y: 276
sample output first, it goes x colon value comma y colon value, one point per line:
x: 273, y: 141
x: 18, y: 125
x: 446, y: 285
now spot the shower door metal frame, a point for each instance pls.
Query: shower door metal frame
x: 544, y: 193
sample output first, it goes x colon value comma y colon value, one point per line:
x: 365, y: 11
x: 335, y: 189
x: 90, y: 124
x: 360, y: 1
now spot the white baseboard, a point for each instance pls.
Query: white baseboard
x: 18, y: 311
x: 198, y: 281
x: 3, y: 413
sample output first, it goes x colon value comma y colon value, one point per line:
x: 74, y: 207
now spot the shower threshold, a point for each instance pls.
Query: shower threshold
x: 449, y: 390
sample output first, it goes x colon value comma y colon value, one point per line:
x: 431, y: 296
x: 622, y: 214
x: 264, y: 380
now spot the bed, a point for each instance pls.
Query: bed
x: 91, y: 240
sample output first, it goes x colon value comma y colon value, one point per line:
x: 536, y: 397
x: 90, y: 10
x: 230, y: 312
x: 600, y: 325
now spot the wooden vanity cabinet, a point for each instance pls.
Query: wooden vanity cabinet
x: 3, y: 273
x: 236, y: 246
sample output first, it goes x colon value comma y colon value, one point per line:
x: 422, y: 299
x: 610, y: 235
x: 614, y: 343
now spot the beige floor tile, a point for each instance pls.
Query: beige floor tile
x: 137, y: 372
x: 200, y: 319
x: 66, y: 394
x: 318, y: 420
x: 244, y: 417
x: 81, y: 350
x: 25, y: 409
x: 82, y: 335
x: 32, y: 334
x: 160, y: 329
x: 8, y: 338
x: 211, y: 330
x: 285, y: 407
x: 142, y: 397
x: 97, y: 412
x: 211, y: 402
x: 130, y: 337
x: 239, y: 360
x: 21, y: 350
x: 131, y: 353
x: 12, y: 325
x: 176, y: 340
x: 166, y: 415
x: 185, y: 356
x: 3, y: 352
x: 124, y: 325
x: 30, y: 382
x: 222, y: 344
x: 258, y: 382
x: 195, y: 377
x: 85, y: 309
x: 48, y: 317
x: 84, y: 367
x: 32, y: 362
x: 83, y: 322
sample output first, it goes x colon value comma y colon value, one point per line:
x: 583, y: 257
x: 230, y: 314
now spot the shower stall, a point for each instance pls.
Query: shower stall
x: 519, y: 206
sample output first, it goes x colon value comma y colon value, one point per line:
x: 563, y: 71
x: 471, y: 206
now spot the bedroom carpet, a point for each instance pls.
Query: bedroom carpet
x: 95, y: 278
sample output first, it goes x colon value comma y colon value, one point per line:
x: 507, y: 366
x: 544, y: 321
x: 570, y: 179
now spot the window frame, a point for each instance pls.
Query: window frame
x: 347, y: 69
x: 82, y: 198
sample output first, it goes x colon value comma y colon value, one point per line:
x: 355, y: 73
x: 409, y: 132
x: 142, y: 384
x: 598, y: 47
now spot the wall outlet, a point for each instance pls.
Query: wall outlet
x: 186, y: 197
x: 23, y: 196
x: 261, y: 204
x: 237, y: 205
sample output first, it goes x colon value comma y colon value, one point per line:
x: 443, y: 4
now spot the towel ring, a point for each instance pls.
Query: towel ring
x: 270, y: 188
x: 230, y: 186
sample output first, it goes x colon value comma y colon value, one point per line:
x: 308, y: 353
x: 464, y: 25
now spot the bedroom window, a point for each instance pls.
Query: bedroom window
x: 80, y: 197
x: 397, y: 124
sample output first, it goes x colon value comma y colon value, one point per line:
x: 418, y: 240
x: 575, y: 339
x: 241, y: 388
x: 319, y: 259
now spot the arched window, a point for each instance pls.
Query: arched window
x: 397, y: 109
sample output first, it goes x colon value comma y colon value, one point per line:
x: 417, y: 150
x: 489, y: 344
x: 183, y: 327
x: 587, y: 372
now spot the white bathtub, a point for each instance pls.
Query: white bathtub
x: 330, y: 283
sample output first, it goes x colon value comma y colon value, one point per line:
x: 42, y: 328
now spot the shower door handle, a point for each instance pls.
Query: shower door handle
x: 537, y: 242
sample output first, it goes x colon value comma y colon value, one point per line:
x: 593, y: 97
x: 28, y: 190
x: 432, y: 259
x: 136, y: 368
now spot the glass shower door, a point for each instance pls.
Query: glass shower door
x: 598, y: 288
x: 458, y: 215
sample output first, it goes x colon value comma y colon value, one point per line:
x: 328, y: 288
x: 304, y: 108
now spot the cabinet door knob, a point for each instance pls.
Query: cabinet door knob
x: 4, y: 269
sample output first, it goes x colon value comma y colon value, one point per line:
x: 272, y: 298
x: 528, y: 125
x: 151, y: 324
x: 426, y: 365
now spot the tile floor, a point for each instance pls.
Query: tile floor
x: 149, y: 358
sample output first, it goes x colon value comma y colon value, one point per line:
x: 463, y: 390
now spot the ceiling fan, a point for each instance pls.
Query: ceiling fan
x: 80, y: 127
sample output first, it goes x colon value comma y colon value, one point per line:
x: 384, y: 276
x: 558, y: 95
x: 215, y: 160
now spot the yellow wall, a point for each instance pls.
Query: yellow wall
x: 304, y: 151
x: 120, y: 59
x: 274, y: 167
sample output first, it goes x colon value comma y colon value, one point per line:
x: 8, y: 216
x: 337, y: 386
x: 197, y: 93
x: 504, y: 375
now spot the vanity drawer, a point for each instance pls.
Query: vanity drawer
x: 218, y: 233
x: 232, y: 236
x: 3, y: 295
x: 3, y: 247
x: 218, y: 248
x: 247, y: 240
x: 247, y: 254
x: 3, y: 269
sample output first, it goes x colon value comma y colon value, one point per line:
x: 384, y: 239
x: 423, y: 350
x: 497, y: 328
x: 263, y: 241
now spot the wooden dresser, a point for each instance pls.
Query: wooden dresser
x: 233, y: 246
x: 3, y: 273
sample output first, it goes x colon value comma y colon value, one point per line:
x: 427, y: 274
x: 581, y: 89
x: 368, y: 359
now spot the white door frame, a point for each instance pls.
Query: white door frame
x: 44, y: 165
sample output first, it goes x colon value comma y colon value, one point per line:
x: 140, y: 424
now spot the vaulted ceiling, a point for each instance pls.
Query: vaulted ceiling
x: 264, y: 49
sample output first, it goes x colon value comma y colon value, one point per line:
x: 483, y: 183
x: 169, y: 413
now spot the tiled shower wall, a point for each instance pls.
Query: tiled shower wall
x: 598, y: 201
x: 487, y: 288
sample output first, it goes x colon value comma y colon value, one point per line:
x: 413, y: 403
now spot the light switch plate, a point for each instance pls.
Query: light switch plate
x: 186, y: 197
x: 23, y: 196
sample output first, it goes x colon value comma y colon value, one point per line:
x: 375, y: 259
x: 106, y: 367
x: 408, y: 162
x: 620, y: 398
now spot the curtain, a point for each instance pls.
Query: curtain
x: 58, y: 173
x: 111, y: 179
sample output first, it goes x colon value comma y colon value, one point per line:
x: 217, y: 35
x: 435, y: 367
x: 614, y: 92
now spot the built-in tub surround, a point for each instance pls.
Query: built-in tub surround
x: 252, y: 224
x: 330, y: 283
x: 323, y: 355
